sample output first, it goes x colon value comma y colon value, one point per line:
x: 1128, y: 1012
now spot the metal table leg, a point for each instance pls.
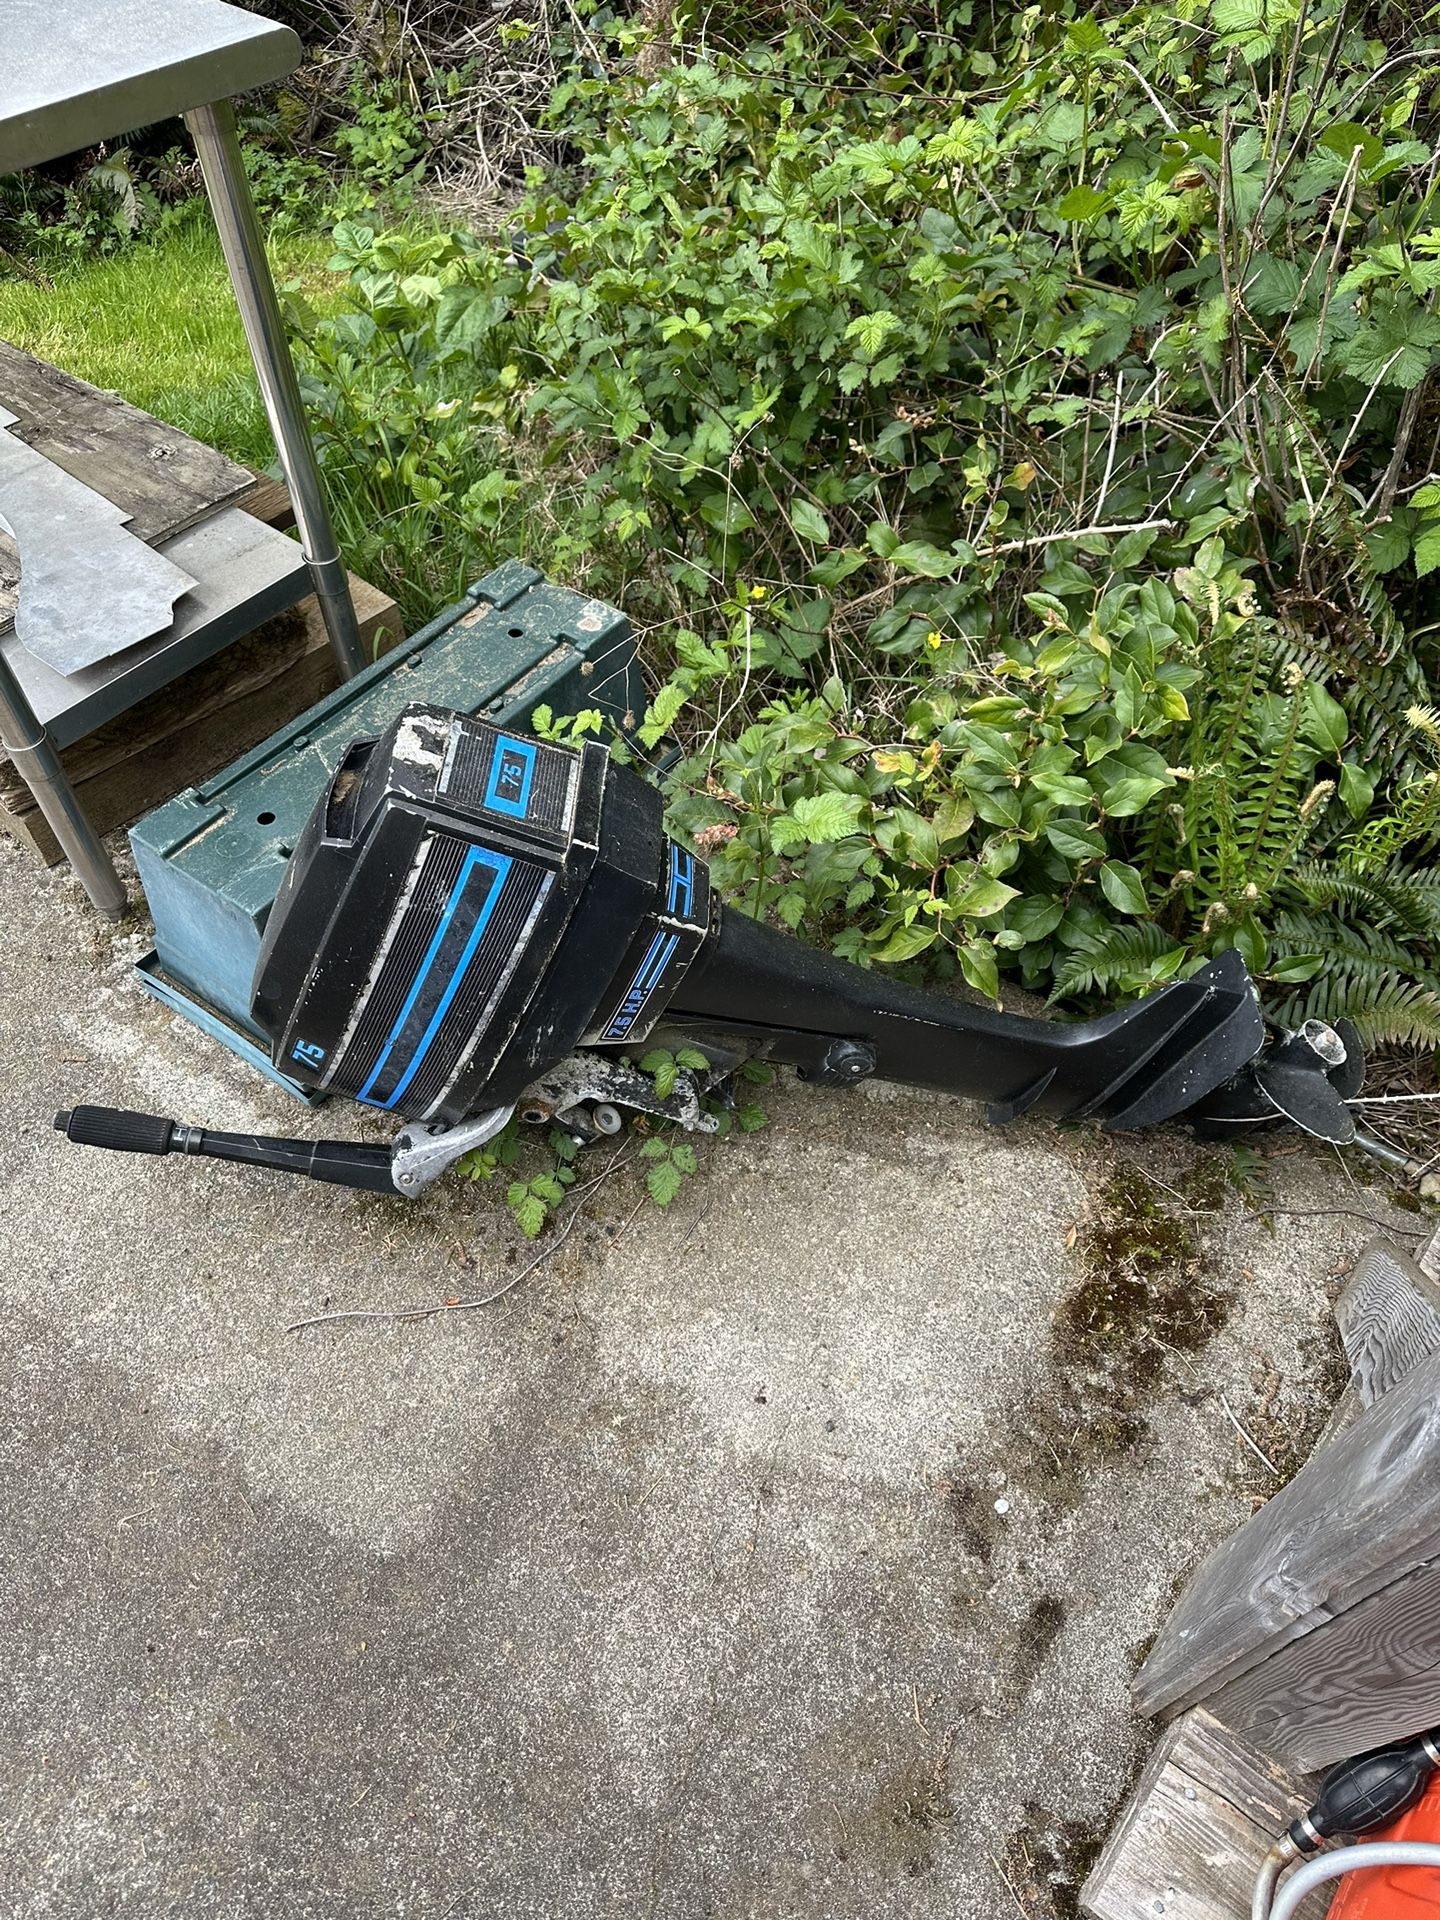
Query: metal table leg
x: 218, y: 146
x: 38, y: 764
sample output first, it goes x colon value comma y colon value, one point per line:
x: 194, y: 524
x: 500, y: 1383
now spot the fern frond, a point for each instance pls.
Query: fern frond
x: 1361, y: 650
x: 1339, y: 940
x: 1391, y: 898
x: 1123, y: 957
x: 1384, y: 1006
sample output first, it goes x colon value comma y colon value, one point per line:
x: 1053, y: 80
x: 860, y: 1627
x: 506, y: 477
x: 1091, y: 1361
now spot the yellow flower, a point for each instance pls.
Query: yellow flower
x: 933, y: 639
x: 757, y: 593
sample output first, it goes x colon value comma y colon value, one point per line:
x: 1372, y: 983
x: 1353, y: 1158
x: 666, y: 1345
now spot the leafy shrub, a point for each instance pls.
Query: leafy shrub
x: 403, y: 391
x: 1018, y: 436
x: 110, y: 198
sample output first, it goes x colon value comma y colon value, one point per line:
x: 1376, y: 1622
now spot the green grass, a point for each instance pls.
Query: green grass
x: 158, y: 324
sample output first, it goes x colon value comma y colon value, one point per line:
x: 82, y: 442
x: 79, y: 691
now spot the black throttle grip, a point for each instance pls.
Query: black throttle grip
x: 113, y: 1127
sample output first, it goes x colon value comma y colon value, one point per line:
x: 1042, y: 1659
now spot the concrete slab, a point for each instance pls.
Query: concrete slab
x: 786, y: 1554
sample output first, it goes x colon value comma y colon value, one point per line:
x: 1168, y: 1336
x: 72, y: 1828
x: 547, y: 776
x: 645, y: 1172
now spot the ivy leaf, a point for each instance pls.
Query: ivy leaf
x: 664, y: 1181
x: 920, y: 557
x: 1342, y: 137
x: 1389, y: 543
x: 1123, y: 887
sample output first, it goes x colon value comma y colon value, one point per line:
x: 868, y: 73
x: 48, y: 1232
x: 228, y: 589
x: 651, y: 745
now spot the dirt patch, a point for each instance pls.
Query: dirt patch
x: 1285, y: 1416
x: 1034, y: 1637
x: 1143, y: 1293
x: 1142, y: 1296
x: 905, y: 1821
x: 972, y: 1510
x: 1046, y: 1860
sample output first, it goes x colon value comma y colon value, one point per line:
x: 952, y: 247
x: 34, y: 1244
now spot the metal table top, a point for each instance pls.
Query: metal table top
x: 73, y: 72
x: 244, y: 574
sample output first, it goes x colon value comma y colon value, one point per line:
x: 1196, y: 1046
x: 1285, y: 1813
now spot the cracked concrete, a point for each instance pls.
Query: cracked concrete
x: 767, y: 1557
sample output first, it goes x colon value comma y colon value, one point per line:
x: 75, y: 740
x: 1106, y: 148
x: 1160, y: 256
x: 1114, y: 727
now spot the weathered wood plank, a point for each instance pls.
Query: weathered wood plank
x: 270, y: 501
x: 160, y: 477
x: 187, y: 731
x: 1368, y: 1676
x: 1191, y: 1838
x: 1389, y: 1319
x: 1359, y: 1515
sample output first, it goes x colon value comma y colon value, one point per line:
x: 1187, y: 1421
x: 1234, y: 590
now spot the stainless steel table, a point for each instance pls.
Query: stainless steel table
x: 74, y: 72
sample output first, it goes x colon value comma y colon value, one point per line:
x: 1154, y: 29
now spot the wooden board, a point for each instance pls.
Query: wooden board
x: 1369, y: 1676
x: 270, y: 501
x: 1389, y: 1319
x: 1361, y: 1514
x: 200, y: 722
x: 1191, y: 1839
x: 160, y: 477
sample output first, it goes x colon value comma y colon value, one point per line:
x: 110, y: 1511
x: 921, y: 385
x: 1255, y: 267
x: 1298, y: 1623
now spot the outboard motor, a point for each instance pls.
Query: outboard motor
x: 474, y: 922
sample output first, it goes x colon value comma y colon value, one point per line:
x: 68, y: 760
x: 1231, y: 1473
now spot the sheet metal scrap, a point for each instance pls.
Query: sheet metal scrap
x: 88, y: 589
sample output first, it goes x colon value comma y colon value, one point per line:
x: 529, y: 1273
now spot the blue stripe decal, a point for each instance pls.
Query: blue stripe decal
x: 682, y: 868
x: 647, y: 981
x: 512, y: 773
x: 647, y: 978
x: 655, y: 946
x: 499, y: 866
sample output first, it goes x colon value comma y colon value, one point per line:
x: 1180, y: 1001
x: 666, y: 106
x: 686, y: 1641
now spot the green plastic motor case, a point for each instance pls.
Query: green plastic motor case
x: 210, y: 860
